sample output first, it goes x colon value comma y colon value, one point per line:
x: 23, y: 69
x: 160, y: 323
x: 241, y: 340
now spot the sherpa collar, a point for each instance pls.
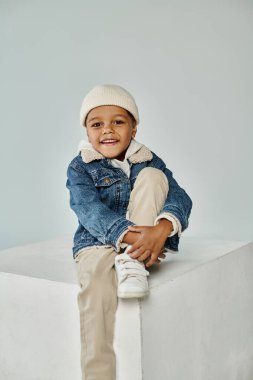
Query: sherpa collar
x: 140, y: 152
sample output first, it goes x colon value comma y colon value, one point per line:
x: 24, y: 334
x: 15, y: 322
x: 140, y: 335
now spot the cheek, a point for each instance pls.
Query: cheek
x: 91, y: 135
x: 87, y: 134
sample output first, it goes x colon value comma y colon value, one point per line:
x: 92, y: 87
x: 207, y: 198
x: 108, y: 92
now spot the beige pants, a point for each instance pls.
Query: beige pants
x: 97, y: 298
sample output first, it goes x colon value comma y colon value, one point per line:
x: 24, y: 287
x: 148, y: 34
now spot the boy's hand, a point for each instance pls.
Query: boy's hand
x: 150, y: 241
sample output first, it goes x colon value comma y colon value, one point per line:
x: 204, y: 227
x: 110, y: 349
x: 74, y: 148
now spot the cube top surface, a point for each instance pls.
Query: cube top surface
x: 53, y: 260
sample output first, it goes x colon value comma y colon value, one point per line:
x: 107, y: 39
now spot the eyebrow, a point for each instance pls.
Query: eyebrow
x: 97, y: 117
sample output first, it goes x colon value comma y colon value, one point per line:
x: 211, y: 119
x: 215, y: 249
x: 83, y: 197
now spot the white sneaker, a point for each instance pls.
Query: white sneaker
x: 132, y: 277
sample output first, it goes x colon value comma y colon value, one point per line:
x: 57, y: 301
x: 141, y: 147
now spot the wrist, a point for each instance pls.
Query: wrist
x: 130, y: 237
x: 165, y: 225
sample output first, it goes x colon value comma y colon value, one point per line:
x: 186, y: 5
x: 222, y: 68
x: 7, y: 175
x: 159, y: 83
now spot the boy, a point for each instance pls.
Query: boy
x: 130, y: 210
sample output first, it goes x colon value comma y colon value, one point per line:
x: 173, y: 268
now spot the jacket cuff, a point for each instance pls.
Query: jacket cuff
x: 119, y: 243
x: 117, y: 233
x: 177, y: 213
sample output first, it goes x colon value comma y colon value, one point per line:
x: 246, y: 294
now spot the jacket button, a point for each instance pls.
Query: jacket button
x: 106, y: 180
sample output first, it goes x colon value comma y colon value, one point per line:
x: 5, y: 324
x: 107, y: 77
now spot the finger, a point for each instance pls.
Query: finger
x: 134, y: 228
x: 138, y: 252
x: 152, y: 260
x: 145, y: 255
x: 162, y: 256
x: 134, y: 246
x: 157, y: 262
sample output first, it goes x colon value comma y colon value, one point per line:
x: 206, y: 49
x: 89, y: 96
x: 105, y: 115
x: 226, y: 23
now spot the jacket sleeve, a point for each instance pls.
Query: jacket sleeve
x: 178, y: 202
x: 101, y: 222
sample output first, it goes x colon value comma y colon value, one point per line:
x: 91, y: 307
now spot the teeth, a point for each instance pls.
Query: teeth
x: 109, y: 140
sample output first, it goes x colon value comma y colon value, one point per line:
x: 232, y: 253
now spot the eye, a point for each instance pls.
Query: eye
x: 95, y: 125
x: 118, y: 122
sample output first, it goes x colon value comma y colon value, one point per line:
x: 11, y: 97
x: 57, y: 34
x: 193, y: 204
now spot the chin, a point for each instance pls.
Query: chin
x: 112, y: 156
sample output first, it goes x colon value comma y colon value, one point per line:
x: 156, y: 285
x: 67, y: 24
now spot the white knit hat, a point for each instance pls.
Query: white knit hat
x: 108, y: 95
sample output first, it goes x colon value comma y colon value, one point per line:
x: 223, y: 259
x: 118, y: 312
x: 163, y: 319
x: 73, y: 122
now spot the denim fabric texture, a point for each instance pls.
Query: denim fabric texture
x: 99, y: 196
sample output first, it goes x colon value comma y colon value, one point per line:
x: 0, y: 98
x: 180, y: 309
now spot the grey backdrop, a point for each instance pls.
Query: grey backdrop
x: 188, y: 65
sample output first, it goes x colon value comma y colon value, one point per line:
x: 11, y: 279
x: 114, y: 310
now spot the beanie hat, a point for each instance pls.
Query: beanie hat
x: 108, y: 95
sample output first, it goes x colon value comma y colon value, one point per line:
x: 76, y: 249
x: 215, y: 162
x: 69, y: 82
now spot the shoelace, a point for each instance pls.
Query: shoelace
x: 130, y: 268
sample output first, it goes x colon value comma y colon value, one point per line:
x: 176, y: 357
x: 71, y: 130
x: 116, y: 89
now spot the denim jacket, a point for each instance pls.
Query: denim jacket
x: 100, y: 192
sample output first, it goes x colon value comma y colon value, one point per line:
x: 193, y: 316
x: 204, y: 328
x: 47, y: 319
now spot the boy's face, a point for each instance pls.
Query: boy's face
x: 110, y: 130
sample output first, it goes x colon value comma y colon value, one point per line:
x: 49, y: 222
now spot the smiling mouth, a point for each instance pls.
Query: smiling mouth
x: 109, y: 142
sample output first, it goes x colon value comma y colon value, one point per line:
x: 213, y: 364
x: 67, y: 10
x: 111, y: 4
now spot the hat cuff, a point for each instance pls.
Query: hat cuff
x: 108, y: 95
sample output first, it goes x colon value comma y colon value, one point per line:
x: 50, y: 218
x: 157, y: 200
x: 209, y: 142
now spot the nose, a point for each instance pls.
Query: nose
x: 107, y: 128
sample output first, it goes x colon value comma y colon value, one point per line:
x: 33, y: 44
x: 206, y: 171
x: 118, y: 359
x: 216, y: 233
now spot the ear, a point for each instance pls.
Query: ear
x: 134, y: 130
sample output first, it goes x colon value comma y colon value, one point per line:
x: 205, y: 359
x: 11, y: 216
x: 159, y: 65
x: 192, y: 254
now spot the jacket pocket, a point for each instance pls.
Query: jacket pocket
x: 106, y: 181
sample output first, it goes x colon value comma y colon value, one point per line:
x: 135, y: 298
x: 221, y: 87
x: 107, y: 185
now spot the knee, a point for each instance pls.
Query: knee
x: 96, y: 269
x: 153, y: 176
x: 101, y: 288
x: 100, y: 280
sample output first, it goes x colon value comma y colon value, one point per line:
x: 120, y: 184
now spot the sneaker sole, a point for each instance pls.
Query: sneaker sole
x: 132, y: 295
